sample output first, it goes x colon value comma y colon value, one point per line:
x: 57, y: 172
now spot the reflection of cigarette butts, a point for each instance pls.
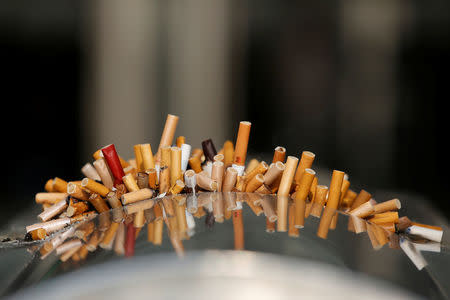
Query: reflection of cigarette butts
x: 238, y: 227
x: 332, y: 203
x: 304, y: 186
x: 293, y: 231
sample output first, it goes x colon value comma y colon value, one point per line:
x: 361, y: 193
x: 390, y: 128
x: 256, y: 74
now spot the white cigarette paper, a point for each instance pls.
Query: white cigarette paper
x: 185, y: 154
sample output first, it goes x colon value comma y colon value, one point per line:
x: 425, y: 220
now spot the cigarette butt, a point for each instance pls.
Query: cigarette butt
x: 98, y: 203
x: 238, y: 229
x: 209, y: 150
x: 279, y: 154
x: 136, y: 196
x: 427, y: 233
x: 168, y: 132
x: 50, y: 197
x: 166, y: 160
x: 386, y: 217
x: 325, y: 221
x: 138, y: 158
x: 362, y: 211
x: 293, y: 230
x: 130, y: 183
x: 228, y: 153
x: 274, y: 172
x: 393, y: 204
x: 306, y: 161
x: 104, y: 222
x: 90, y: 172
x: 335, y: 189
x: 361, y: 198
x: 158, y: 232
x: 175, y: 165
x: 38, y: 234
x: 185, y: 154
x: 50, y: 226
x: 114, y: 163
x: 77, y: 192
x: 95, y: 187
x: 219, y: 157
x: 251, y: 165
x: 254, y: 183
x: 180, y: 141
x: 48, y: 187
x: 177, y: 187
x: 59, y: 185
x: 206, y: 182
x: 372, y: 237
x: 195, y: 164
x: 76, y: 207
x: 283, y: 192
x: 230, y: 179
x: 142, y: 180
x: 240, y: 152
x: 53, y: 210
x: 104, y: 172
x: 152, y: 178
x: 148, y: 162
x: 164, y: 180
x: 261, y: 168
x: 217, y: 174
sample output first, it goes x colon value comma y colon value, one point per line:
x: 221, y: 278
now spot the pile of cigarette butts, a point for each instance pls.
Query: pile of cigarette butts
x: 178, y: 183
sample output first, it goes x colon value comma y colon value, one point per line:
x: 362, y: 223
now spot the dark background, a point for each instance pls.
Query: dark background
x: 371, y: 103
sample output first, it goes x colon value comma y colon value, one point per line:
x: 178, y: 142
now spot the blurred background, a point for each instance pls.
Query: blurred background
x: 360, y: 83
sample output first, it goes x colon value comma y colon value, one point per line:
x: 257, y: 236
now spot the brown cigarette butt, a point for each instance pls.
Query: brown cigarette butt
x: 238, y: 229
x: 76, y: 207
x: 283, y: 192
x: 304, y: 186
x: 325, y: 221
x: 206, y: 182
x: 240, y: 152
x: 195, y: 164
x: 403, y: 223
x: 93, y: 241
x: 268, y: 208
x: 38, y: 234
x: 136, y: 196
x: 373, y: 240
x: 103, y: 171
x: 230, y: 179
x: 386, y: 217
x: 138, y: 158
x: 348, y: 199
x: 53, y: 210
x: 228, y: 153
x: 148, y: 161
x: 59, y: 185
x: 217, y: 174
x: 393, y: 204
x: 95, y: 187
x: 251, y: 165
x: 311, y: 197
x: 139, y: 219
x: 164, y: 180
x: 180, y: 141
x: 98, y: 203
x: 305, y: 162
x: 48, y: 187
x: 334, y: 193
x: 261, y: 168
x: 388, y: 226
x: 50, y: 198
x: 152, y: 178
x: 142, y: 180
x: 177, y: 187
x: 130, y: 183
x: 209, y: 149
x: 274, y: 172
x: 279, y: 154
x: 89, y: 171
x: 168, y: 133
x: 166, y: 156
x: 109, y: 236
x: 254, y: 183
x: 150, y: 231
x: 175, y: 165
x: 293, y: 230
x: 270, y: 226
x: 77, y: 192
x: 114, y: 202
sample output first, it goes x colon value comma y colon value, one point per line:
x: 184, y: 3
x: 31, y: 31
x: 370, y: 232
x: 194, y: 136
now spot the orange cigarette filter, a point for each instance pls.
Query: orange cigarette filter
x: 386, y: 217
x: 279, y: 154
x: 306, y: 162
x: 98, y: 203
x: 228, y: 153
x: 148, y: 161
x: 195, y: 164
x: 168, y: 133
x: 177, y: 187
x: 95, y: 187
x: 166, y: 153
x: 283, y: 192
x: 152, y: 178
x: 77, y: 192
x: 175, y: 165
x: 59, y: 185
x: 251, y: 165
x: 180, y: 141
x: 130, y: 183
x: 254, y: 183
x: 49, y: 186
x: 138, y: 158
x: 393, y: 204
x: 240, y: 152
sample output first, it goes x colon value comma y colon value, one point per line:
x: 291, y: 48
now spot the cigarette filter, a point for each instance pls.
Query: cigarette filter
x: 168, y: 133
x: 209, y: 150
x: 95, y: 187
x: 228, y: 153
x: 306, y: 162
x: 77, y: 192
x: 240, y: 152
x: 283, y: 192
x: 206, y: 182
x: 230, y: 179
x: 217, y: 174
x: 50, y: 198
x: 53, y: 210
x: 152, y: 178
x: 393, y: 204
x: 138, y: 158
x: 90, y: 172
x: 304, y: 186
x: 428, y: 233
x: 59, y: 185
x: 148, y: 161
x: 251, y: 165
x: 113, y: 161
x: 274, y: 172
x: 130, y: 183
x: 180, y: 141
x: 49, y: 186
x: 104, y: 172
x: 279, y: 154
x: 136, y: 196
x: 254, y: 183
x: 98, y: 203
x: 195, y: 164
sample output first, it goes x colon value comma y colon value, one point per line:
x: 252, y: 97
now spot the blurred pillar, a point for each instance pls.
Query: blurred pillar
x: 198, y: 61
x: 120, y: 103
